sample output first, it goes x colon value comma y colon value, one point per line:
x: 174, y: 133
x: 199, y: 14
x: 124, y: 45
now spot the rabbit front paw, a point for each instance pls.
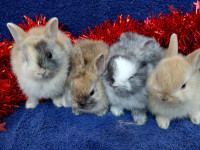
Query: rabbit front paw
x: 116, y: 111
x: 102, y: 113
x: 140, y: 119
x: 58, y: 102
x: 66, y: 103
x: 139, y: 116
x: 31, y: 103
x: 76, y: 111
x: 162, y: 122
x: 195, y: 118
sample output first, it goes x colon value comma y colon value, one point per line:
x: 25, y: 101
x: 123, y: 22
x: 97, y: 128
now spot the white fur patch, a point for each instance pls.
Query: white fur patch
x: 124, y: 70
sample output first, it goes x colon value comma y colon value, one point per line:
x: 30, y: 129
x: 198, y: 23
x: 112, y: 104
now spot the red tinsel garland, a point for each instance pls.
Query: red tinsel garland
x: 160, y: 27
x: 10, y: 94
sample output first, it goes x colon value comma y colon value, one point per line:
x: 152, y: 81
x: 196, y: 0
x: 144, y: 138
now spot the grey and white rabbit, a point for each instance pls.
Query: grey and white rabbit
x: 40, y: 60
x: 129, y: 63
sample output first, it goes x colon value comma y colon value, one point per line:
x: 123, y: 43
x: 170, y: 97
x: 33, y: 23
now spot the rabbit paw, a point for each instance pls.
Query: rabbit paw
x: 66, y: 103
x: 140, y: 119
x: 76, y: 111
x: 102, y: 113
x: 58, y: 102
x: 31, y: 103
x: 162, y: 122
x: 195, y: 118
x: 116, y: 111
x: 139, y: 116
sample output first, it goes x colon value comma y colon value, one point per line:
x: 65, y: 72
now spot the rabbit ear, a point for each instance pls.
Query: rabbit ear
x: 52, y: 28
x: 100, y: 64
x: 148, y: 44
x: 173, y: 46
x: 125, y: 35
x: 128, y: 35
x: 17, y: 33
x: 194, y: 59
x: 79, y: 60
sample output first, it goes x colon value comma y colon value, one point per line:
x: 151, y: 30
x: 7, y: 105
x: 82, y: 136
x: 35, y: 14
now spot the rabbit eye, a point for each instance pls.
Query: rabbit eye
x: 92, y: 93
x: 143, y: 64
x: 131, y: 77
x: 49, y: 55
x: 183, y: 86
x: 112, y: 80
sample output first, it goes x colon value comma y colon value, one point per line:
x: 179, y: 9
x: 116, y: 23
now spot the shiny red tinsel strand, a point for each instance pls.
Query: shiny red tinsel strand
x: 160, y: 27
x: 10, y: 94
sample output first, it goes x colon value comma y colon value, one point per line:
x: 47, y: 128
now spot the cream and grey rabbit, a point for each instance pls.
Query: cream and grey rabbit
x: 129, y: 63
x: 85, y: 91
x: 40, y: 60
x: 174, y: 86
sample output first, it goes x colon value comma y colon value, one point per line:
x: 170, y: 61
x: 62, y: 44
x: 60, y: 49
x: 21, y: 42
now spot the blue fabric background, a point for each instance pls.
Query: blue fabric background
x: 49, y: 128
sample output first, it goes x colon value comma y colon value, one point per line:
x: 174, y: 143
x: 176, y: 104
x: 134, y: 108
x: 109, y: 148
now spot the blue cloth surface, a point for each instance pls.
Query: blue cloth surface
x: 50, y: 128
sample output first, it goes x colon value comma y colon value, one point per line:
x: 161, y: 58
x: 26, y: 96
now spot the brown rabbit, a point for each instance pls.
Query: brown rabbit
x: 85, y: 91
x: 174, y: 86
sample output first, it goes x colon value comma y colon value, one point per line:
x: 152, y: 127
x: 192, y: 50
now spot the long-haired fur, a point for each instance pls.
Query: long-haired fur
x: 174, y: 85
x: 129, y: 63
x: 40, y: 60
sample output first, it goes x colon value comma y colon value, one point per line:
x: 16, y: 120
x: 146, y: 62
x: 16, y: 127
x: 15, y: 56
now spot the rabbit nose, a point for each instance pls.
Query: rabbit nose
x: 81, y: 105
x: 164, y: 99
x: 41, y: 72
x: 114, y: 86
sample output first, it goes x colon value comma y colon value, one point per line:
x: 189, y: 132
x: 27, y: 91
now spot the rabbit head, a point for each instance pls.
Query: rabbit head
x: 42, y: 50
x: 125, y: 74
x: 171, y: 82
x: 86, y: 88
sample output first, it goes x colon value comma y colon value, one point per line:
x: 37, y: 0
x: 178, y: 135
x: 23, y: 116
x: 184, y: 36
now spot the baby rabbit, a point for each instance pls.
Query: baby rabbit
x: 85, y: 83
x: 40, y: 60
x: 174, y: 86
x: 129, y: 63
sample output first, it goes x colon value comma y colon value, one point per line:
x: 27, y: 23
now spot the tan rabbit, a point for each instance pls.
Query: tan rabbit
x: 40, y: 59
x: 86, y: 92
x: 174, y: 86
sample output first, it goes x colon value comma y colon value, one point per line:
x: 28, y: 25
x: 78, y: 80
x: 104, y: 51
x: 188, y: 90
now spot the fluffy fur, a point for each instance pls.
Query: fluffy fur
x: 85, y: 92
x: 40, y: 60
x: 129, y: 63
x: 174, y: 86
x: 128, y: 69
